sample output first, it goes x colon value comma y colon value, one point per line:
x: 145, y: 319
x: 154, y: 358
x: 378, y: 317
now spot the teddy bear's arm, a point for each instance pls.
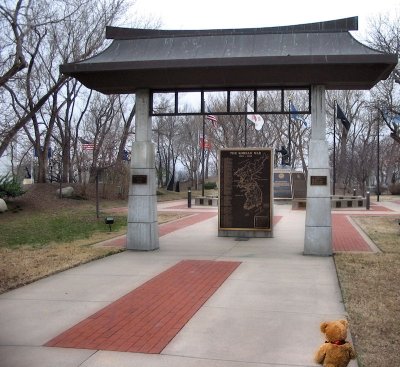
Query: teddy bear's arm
x: 352, y: 353
x: 320, y: 354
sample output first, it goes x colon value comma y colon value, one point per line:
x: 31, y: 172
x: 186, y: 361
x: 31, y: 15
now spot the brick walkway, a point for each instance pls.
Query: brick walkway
x: 148, y: 318
x: 345, y: 237
x: 184, y: 222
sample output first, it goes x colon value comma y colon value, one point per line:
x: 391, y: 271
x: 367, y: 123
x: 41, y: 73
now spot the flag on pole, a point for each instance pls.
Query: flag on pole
x: 395, y: 137
x: 204, y: 143
x: 342, y: 117
x: 86, y: 145
x: 295, y: 114
x: 212, y: 118
x: 257, y: 120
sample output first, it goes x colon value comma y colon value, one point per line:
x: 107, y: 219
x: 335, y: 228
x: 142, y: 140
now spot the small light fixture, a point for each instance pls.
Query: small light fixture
x: 109, y: 221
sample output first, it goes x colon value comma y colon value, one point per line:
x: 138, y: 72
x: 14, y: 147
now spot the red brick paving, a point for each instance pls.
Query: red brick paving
x: 345, y: 237
x: 184, y: 222
x: 148, y: 318
x: 172, y: 226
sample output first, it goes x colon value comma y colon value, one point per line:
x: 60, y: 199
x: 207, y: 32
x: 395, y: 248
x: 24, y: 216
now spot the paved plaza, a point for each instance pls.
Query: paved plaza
x: 264, y: 311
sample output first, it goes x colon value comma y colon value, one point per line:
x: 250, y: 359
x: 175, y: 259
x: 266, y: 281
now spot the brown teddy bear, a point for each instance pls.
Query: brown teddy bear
x: 336, y: 351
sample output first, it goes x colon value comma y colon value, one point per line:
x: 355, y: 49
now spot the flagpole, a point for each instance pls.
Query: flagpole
x: 378, y: 158
x: 334, y: 147
x: 202, y: 154
x: 245, y: 124
x: 289, y: 132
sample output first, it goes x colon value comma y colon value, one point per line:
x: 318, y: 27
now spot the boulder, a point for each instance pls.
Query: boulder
x: 66, y: 192
x: 3, y: 206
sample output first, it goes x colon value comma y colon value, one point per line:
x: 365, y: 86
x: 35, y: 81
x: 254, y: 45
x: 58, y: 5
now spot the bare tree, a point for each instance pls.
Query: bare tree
x: 384, y: 35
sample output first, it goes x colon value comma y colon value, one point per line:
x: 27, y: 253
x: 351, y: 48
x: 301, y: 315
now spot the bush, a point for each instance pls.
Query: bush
x: 10, y: 187
x: 394, y: 188
x: 210, y: 185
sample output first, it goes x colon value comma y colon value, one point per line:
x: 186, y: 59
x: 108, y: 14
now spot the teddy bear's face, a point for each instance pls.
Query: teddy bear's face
x: 335, y: 330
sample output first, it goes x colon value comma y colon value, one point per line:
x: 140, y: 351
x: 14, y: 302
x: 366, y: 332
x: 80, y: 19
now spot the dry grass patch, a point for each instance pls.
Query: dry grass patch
x: 40, y: 256
x: 371, y: 292
x: 27, y: 264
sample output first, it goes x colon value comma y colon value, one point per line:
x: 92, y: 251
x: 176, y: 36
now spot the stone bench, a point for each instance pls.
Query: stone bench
x: 337, y: 202
x: 299, y: 204
x: 206, y: 201
x: 346, y: 202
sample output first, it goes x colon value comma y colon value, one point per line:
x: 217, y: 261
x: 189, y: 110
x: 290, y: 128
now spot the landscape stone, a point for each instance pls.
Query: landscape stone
x: 66, y: 192
x: 3, y: 206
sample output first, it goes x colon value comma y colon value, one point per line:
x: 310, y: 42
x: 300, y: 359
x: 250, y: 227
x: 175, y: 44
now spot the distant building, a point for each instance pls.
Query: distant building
x: 5, y: 165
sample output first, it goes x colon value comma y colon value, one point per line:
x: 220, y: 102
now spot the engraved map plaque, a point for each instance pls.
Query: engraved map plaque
x: 245, y: 189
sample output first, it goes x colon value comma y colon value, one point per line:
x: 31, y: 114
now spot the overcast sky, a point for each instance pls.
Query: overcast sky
x: 209, y: 14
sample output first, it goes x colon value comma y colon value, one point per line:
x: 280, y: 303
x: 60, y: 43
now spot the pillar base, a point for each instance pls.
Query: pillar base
x: 142, y: 236
x: 318, y: 241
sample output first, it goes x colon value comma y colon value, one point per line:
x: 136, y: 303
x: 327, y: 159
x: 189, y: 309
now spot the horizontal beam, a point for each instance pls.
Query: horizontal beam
x: 175, y: 102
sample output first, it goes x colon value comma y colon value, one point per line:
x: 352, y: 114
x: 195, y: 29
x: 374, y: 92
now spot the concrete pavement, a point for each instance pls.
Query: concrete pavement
x: 267, y: 313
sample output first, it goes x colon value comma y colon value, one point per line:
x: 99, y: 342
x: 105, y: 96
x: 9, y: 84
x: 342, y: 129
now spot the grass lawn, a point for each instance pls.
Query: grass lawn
x: 38, y: 240
x: 370, y: 285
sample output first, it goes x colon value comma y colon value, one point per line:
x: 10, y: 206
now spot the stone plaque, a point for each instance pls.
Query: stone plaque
x: 282, y: 186
x: 245, y: 201
x: 299, y: 185
x: 318, y: 180
x: 139, y: 179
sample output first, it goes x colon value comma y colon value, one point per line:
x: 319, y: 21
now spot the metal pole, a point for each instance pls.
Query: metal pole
x: 189, y: 197
x: 334, y: 148
x: 245, y: 124
x: 377, y: 174
x: 368, y: 201
x: 97, y: 193
x: 202, y: 154
x: 289, y: 133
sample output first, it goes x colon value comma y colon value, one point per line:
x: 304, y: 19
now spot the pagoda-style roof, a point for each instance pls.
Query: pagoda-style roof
x: 300, y: 55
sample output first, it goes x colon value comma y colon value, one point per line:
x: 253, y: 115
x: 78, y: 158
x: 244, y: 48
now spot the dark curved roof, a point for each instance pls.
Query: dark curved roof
x: 299, y: 55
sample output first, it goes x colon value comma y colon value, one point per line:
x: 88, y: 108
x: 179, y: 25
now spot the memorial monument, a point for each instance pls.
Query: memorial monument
x: 245, y: 193
x: 315, y: 57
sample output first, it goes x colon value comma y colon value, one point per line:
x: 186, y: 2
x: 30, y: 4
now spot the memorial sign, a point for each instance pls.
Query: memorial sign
x: 282, y: 185
x: 299, y: 185
x: 319, y: 180
x: 245, y: 190
x: 139, y: 179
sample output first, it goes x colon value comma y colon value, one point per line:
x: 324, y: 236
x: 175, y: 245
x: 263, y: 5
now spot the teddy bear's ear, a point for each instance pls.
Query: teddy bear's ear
x: 323, y: 326
x: 344, y: 322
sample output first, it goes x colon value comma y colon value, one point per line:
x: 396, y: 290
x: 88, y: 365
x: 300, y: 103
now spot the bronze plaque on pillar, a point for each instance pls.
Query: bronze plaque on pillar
x: 139, y: 179
x: 245, y: 197
x: 319, y: 180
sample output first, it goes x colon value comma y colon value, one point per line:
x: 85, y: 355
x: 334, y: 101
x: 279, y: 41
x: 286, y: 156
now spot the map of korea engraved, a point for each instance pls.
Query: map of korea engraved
x: 250, y: 177
x: 245, y: 189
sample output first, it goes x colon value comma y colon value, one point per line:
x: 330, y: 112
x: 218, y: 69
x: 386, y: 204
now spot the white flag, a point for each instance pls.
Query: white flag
x: 257, y: 120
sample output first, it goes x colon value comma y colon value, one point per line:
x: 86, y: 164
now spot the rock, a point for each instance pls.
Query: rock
x: 3, y: 206
x: 66, y: 192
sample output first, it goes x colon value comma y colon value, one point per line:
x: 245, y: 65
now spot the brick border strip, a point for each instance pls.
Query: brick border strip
x: 148, y: 318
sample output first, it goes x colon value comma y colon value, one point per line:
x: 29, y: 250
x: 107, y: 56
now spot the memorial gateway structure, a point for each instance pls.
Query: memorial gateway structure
x: 313, y: 57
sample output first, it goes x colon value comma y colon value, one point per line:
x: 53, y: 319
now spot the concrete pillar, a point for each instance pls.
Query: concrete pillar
x: 142, y: 207
x: 318, y: 231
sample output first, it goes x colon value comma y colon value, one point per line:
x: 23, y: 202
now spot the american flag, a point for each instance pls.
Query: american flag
x: 204, y: 143
x: 213, y: 119
x: 86, y: 145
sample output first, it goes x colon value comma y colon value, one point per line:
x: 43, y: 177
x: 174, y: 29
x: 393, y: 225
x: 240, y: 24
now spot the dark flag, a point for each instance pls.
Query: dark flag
x: 341, y: 116
x: 395, y: 137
